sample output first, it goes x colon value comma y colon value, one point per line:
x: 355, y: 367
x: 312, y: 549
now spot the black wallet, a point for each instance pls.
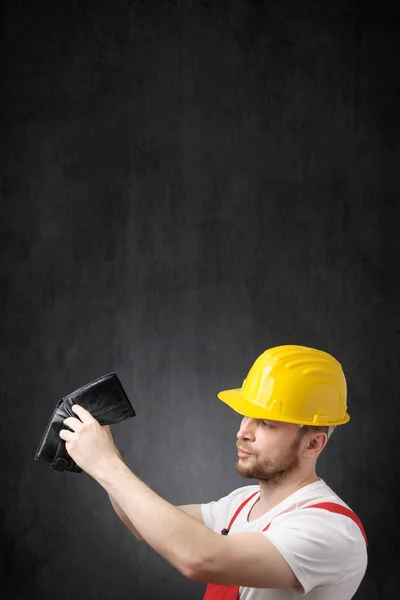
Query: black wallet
x: 104, y: 398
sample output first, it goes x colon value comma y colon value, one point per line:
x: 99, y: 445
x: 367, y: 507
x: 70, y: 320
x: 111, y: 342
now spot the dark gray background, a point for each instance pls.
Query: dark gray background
x: 184, y: 185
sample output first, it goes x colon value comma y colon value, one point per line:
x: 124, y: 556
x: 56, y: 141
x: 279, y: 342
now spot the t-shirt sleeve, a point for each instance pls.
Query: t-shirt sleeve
x: 208, y: 513
x: 217, y: 513
x: 321, y: 547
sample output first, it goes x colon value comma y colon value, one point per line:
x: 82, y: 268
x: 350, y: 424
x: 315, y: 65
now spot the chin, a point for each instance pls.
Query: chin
x: 243, y: 471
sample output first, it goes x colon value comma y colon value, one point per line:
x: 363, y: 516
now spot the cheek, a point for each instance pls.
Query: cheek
x: 266, y: 449
x: 271, y: 445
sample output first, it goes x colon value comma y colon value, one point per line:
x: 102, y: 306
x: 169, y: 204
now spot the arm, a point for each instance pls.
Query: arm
x: 121, y: 514
x: 199, y: 553
x: 125, y: 519
x: 246, y: 559
x: 193, y: 510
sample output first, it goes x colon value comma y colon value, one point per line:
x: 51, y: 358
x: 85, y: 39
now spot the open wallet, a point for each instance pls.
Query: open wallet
x: 104, y: 398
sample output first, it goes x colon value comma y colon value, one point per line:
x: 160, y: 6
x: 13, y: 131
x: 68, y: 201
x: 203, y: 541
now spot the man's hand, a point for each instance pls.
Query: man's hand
x: 89, y: 444
x: 107, y: 429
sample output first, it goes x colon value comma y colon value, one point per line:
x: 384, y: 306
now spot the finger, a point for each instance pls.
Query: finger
x: 67, y: 436
x: 74, y: 423
x: 82, y: 413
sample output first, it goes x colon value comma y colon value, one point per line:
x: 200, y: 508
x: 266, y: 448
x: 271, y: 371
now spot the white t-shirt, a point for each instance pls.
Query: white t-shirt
x: 326, y: 551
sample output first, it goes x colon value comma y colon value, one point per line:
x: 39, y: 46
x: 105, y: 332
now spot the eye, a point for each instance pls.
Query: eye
x: 267, y: 424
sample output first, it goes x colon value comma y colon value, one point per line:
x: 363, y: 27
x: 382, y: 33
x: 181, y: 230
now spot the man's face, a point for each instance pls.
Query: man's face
x: 272, y: 449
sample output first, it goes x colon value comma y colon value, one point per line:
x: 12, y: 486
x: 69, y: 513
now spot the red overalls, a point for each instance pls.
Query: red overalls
x: 231, y: 592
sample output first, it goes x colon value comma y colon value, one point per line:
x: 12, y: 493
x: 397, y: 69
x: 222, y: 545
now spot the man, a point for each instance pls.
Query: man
x: 287, y: 536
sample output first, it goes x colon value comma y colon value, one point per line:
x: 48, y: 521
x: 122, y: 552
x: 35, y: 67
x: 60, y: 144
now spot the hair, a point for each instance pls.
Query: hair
x: 312, y: 428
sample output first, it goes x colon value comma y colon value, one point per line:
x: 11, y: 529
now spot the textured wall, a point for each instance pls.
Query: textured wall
x: 183, y: 185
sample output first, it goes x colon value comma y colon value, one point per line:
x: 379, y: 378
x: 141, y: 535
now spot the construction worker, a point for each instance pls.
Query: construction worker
x: 288, y: 535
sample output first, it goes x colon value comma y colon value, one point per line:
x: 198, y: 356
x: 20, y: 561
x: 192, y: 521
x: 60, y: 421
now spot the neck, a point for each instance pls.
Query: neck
x: 272, y: 493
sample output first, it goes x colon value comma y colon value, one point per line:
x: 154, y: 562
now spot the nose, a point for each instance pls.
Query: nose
x: 247, y: 429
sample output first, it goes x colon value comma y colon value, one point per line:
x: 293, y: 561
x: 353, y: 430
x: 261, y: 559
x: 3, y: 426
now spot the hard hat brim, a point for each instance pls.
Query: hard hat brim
x: 238, y: 403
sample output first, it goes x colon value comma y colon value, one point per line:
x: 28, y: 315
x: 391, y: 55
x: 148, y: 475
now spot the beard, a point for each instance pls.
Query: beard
x: 270, y: 470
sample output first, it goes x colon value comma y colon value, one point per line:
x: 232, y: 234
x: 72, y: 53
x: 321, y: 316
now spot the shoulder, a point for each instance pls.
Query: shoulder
x: 310, y: 536
x: 321, y: 511
x: 327, y: 517
x: 320, y: 546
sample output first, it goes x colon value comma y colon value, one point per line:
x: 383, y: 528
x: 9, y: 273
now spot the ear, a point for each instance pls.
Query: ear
x: 316, y: 442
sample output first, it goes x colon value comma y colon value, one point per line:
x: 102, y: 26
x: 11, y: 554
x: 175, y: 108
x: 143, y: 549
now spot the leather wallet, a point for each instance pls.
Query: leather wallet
x: 104, y: 398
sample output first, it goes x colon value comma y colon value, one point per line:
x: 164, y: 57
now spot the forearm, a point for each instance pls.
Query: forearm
x: 193, y: 510
x: 125, y: 519
x: 180, y: 539
x: 121, y: 513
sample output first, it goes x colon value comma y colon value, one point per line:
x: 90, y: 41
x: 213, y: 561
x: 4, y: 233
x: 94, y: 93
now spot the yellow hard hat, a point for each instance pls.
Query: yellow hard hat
x: 294, y: 384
